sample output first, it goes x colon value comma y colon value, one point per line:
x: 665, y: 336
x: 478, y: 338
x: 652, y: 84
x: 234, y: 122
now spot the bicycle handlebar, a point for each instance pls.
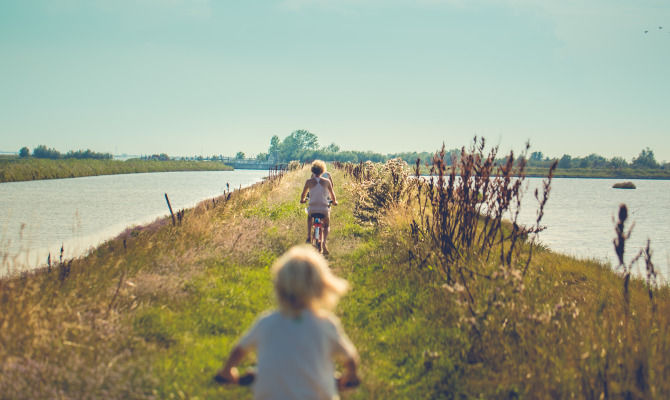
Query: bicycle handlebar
x: 249, y: 377
x: 244, y: 380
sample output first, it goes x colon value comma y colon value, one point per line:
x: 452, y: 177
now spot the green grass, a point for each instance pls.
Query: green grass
x: 14, y: 169
x: 158, y: 318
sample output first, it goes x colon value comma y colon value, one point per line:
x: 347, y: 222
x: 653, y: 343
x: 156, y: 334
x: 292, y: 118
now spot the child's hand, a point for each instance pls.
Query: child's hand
x: 303, y: 201
x: 348, y: 381
x: 335, y: 202
x: 227, y: 376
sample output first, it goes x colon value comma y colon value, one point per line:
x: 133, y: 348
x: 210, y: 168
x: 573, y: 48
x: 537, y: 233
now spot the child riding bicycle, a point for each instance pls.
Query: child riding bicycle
x: 296, y: 345
x: 319, y: 189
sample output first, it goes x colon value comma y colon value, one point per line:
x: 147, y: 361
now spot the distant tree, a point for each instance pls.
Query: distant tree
x: 162, y: 157
x: 646, y: 159
x: 88, y: 154
x: 24, y: 152
x: 333, y: 148
x: 595, y: 161
x: 618, y: 163
x: 275, y: 147
x: 42, y: 151
x: 299, y: 145
x: 536, y: 156
x: 239, y: 155
x: 262, y: 156
x: 296, y: 144
x: 565, y: 161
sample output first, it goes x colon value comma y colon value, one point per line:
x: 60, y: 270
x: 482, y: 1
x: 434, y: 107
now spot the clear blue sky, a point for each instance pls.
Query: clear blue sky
x: 215, y: 77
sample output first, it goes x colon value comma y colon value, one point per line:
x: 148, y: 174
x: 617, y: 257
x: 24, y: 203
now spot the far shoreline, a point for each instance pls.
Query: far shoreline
x: 25, y: 170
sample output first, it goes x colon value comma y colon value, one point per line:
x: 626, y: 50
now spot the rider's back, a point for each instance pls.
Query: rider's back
x: 295, y: 355
x: 318, y: 196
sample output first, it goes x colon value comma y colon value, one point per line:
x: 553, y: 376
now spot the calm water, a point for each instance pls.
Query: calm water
x: 80, y: 213
x: 579, y: 216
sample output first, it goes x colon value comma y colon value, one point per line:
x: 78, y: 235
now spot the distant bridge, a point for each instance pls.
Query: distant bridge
x: 250, y: 163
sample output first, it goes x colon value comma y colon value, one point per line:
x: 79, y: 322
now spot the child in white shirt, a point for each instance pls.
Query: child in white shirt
x: 297, y: 344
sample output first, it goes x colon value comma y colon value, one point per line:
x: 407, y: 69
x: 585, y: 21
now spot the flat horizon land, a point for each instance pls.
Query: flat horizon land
x: 153, y: 313
x: 14, y: 169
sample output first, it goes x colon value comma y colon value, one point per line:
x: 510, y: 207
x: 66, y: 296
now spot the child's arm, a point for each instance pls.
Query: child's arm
x: 228, y: 373
x: 349, y: 378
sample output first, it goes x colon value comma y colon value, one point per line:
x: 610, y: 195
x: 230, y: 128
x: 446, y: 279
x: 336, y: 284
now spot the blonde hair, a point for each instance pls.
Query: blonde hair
x: 318, y: 167
x: 303, y: 279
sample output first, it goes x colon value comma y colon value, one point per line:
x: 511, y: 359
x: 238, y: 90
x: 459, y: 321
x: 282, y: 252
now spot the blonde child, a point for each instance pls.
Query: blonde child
x: 320, y: 195
x: 296, y: 345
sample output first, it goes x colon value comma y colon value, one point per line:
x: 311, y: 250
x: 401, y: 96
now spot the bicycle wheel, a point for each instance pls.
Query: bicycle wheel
x: 317, y: 238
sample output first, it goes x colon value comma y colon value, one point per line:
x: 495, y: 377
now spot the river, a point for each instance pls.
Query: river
x: 38, y: 217
x: 579, y: 218
x: 80, y: 213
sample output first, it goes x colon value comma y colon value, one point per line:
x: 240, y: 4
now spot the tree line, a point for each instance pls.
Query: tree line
x: 43, y: 151
x: 303, y: 145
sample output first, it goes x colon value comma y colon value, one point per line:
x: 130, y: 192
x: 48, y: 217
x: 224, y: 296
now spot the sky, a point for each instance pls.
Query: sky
x: 189, y: 77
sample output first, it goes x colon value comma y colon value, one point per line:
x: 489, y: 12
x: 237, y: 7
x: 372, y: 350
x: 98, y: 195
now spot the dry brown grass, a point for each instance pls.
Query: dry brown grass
x: 66, y: 335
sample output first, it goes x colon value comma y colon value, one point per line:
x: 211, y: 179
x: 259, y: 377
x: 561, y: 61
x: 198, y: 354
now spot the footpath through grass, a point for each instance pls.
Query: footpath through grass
x: 153, y: 313
x: 14, y: 169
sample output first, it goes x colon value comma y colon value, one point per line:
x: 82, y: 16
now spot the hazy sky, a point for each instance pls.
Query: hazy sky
x: 208, y: 77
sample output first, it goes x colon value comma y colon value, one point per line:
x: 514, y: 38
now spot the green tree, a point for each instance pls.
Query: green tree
x: 42, y: 151
x: 646, y: 159
x: 618, y: 163
x: 239, y: 155
x: 164, y: 157
x: 294, y: 146
x: 24, y: 152
x: 333, y: 148
x: 262, y: 156
x: 275, y: 147
x: 565, y: 161
x: 595, y: 161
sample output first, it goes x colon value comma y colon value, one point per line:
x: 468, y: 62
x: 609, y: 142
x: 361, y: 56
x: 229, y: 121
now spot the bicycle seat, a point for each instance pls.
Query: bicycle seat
x: 318, y: 215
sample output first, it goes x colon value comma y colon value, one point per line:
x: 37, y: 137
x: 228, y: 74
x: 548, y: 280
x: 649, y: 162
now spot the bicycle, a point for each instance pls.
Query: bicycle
x: 248, y: 378
x: 244, y: 380
x: 317, y: 228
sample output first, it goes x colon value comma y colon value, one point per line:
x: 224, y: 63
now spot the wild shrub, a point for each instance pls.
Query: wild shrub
x: 384, y: 186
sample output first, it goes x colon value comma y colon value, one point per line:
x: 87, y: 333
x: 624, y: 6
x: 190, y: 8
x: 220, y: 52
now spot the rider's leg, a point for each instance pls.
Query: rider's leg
x: 325, y: 230
x: 309, y: 228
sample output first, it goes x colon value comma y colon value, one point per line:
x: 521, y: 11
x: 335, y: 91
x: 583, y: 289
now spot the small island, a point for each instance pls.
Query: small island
x: 624, y: 185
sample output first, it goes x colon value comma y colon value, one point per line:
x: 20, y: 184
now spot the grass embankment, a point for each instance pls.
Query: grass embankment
x: 590, y: 173
x: 156, y: 317
x: 14, y: 169
x: 622, y: 173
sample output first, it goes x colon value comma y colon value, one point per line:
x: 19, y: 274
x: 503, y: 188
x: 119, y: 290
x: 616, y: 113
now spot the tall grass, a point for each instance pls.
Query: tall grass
x: 537, y: 324
x: 90, y: 327
x: 152, y: 313
x: 14, y: 170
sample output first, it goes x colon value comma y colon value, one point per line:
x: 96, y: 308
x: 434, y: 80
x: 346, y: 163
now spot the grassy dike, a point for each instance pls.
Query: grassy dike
x: 155, y: 317
x: 15, y: 169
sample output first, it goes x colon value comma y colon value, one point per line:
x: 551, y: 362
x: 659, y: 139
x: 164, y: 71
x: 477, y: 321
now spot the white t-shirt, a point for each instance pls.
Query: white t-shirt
x: 295, y: 355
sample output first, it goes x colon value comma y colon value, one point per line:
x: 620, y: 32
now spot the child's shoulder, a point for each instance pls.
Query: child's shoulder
x: 266, y: 317
x: 327, y: 318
